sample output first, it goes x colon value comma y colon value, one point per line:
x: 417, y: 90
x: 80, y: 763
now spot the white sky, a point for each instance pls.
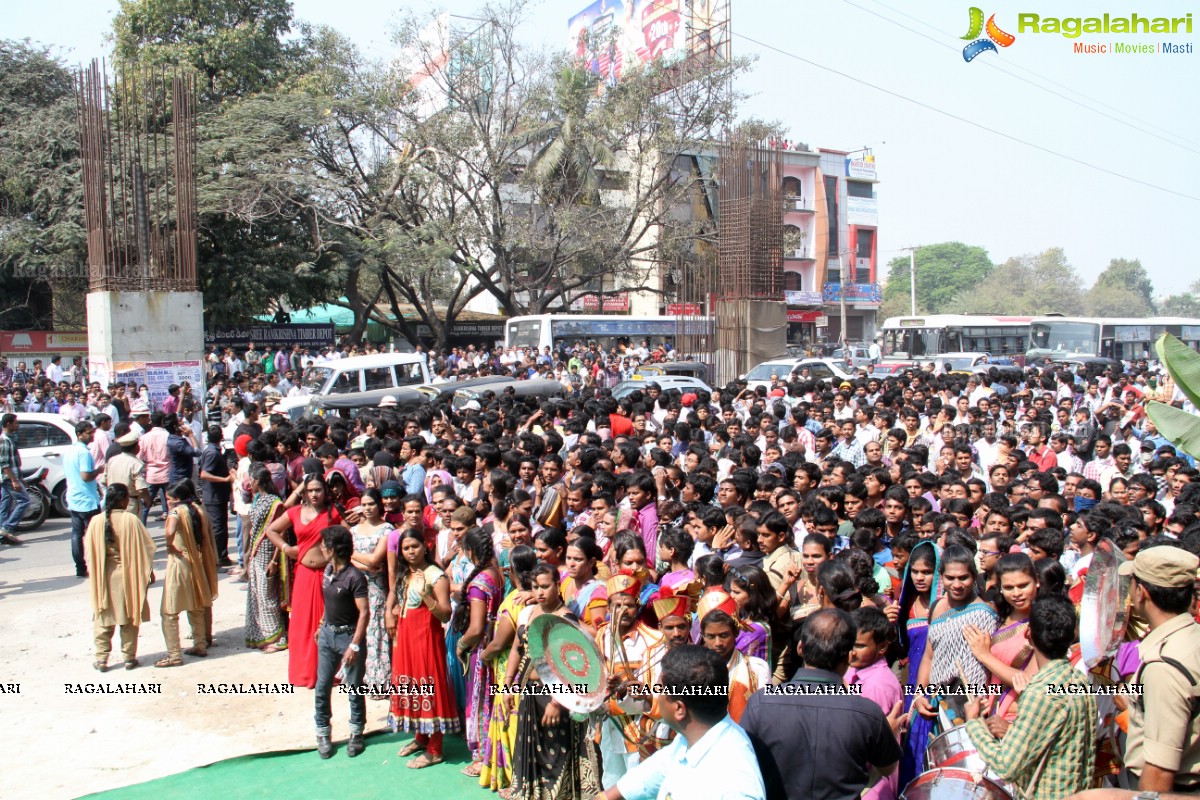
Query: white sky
x: 941, y: 179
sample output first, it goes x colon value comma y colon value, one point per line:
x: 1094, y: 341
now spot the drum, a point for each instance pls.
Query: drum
x: 954, y: 749
x: 954, y: 784
x: 567, y: 659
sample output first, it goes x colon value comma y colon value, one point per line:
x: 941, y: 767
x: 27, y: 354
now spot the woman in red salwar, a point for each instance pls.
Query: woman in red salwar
x: 418, y: 604
x: 305, y: 521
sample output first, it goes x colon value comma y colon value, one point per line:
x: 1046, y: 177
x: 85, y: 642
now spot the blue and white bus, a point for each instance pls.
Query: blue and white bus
x: 606, y: 330
x: 1120, y: 338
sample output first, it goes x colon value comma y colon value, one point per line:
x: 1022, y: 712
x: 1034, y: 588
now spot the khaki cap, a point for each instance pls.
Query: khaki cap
x: 1165, y: 566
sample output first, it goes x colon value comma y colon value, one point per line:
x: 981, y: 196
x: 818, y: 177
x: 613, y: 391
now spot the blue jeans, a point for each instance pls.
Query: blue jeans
x: 79, y: 524
x: 331, y: 647
x: 13, y: 503
x: 156, y: 490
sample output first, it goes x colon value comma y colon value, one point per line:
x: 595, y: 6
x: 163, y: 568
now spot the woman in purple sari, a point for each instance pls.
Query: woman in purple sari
x: 917, y: 596
x: 475, y: 621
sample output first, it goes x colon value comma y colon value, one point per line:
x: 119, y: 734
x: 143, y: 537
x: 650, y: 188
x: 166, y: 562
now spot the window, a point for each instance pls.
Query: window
x: 379, y: 378
x: 345, y: 383
x: 793, y: 282
x: 409, y: 374
x: 792, y: 187
x: 831, y: 206
x: 859, y: 189
x: 866, y: 242
x: 34, y: 434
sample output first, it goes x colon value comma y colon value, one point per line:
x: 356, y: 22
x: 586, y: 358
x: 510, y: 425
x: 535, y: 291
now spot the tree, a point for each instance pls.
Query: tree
x: 1186, y: 304
x: 1115, y: 301
x: 1027, y: 285
x: 252, y: 254
x: 943, y: 272
x: 236, y: 46
x: 43, y: 250
x: 1131, y: 277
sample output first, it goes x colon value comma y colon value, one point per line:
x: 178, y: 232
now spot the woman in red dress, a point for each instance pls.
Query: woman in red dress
x: 305, y: 521
x: 418, y: 604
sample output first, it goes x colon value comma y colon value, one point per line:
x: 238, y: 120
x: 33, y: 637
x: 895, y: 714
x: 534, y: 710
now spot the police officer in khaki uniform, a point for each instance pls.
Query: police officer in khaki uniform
x: 1163, y: 749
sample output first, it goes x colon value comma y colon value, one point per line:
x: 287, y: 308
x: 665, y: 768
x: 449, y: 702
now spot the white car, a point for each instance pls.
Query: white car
x: 822, y: 369
x: 42, y: 440
x: 683, y: 383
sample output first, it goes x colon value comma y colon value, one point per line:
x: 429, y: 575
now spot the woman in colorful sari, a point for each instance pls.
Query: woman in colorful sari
x: 418, y: 604
x: 1008, y: 651
x: 582, y: 591
x: 948, y: 658
x: 751, y: 589
x: 496, y: 770
x: 306, y: 601
x: 267, y: 570
x: 474, y: 621
x: 554, y: 757
x: 917, y: 594
x: 191, y: 581
x: 370, y: 556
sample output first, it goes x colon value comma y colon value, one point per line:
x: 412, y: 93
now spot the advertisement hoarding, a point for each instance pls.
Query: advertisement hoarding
x: 862, y: 211
x: 862, y: 169
x: 305, y: 334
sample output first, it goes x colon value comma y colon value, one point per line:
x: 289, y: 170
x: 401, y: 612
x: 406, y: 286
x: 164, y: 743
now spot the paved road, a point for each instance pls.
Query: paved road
x: 77, y: 736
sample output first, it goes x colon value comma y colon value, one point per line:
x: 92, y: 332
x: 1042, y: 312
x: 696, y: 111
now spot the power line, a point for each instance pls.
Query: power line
x: 997, y: 67
x: 970, y: 122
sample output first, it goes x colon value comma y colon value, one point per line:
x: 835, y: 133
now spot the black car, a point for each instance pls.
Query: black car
x: 539, y: 388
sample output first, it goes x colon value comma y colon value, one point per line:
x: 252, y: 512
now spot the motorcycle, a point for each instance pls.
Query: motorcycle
x: 39, y: 500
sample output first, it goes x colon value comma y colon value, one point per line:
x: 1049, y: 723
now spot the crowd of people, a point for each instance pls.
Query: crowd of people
x: 920, y: 542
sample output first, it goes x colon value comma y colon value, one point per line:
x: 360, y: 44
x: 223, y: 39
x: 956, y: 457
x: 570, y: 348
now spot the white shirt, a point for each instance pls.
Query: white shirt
x: 54, y: 372
x: 720, y: 766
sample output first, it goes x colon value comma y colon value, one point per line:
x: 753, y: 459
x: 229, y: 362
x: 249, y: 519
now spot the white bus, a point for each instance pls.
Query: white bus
x: 924, y: 338
x: 606, y: 330
x: 1124, y: 339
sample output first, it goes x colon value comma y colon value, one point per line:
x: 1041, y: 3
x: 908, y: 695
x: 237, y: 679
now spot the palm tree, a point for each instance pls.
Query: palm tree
x: 567, y: 154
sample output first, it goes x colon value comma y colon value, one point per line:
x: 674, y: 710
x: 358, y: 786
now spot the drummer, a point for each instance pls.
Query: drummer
x: 632, y: 651
x: 1163, y: 750
x: 1048, y: 751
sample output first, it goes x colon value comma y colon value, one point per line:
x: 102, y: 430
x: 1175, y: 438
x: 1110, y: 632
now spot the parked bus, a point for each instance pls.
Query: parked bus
x: 606, y: 330
x: 1124, y: 339
x: 924, y: 338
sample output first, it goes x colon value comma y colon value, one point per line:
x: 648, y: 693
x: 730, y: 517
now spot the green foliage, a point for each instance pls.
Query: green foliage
x: 42, y: 239
x: 1128, y: 276
x: 236, y: 46
x: 1177, y: 425
x: 1115, y: 301
x: 1027, y: 285
x: 944, y: 271
x: 1186, y: 304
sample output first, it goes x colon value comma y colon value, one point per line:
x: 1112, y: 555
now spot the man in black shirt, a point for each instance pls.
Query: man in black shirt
x: 817, y: 745
x: 340, y: 640
x: 216, y: 490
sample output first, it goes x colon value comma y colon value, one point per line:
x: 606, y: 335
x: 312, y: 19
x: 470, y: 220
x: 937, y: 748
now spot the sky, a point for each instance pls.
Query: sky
x: 1030, y: 147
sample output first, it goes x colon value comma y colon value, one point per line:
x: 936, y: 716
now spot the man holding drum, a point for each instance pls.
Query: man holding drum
x: 1048, y: 751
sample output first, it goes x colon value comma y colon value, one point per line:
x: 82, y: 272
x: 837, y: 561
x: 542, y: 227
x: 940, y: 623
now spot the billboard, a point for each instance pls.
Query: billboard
x: 615, y: 36
x: 305, y: 334
x: 423, y: 67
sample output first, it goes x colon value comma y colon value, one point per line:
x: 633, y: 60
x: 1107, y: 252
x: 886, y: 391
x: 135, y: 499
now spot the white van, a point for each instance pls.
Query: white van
x: 377, y: 373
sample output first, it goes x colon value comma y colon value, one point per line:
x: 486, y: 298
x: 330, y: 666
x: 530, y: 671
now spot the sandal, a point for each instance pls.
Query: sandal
x: 132, y: 663
x: 472, y: 770
x: 422, y: 761
x: 101, y: 666
x: 409, y: 749
x: 199, y: 652
x: 169, y: 662
x: 273, y: 648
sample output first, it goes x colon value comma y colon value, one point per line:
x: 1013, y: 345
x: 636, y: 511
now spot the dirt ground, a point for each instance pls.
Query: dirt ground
x: 60, y: 743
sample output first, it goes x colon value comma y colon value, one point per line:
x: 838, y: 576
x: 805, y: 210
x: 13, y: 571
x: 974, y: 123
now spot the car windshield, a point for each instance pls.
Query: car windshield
x: 315, y: 377
x: 763, y: 372
x: 960, y: 363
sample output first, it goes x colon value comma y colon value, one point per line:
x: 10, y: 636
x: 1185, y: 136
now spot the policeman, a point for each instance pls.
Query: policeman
x: 1163, y: 749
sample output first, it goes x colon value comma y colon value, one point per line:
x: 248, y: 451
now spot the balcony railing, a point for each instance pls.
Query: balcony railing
x: 795, y: 202
x: 799, y: 254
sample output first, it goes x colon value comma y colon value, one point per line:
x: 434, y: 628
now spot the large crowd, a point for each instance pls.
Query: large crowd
x: 858, y: 568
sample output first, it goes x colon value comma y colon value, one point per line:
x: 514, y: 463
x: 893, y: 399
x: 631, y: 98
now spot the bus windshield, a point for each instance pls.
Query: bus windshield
x: 1079, y: 338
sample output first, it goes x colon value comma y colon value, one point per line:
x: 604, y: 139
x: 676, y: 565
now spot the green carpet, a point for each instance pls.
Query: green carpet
x: 302, y: 774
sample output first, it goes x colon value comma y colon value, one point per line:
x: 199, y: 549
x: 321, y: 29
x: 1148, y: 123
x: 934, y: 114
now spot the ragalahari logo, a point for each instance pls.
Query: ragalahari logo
x: 995, y: 36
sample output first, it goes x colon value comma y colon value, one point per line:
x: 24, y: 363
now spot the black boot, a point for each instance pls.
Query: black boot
x: 356, y: 745
x: 324, y: 746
